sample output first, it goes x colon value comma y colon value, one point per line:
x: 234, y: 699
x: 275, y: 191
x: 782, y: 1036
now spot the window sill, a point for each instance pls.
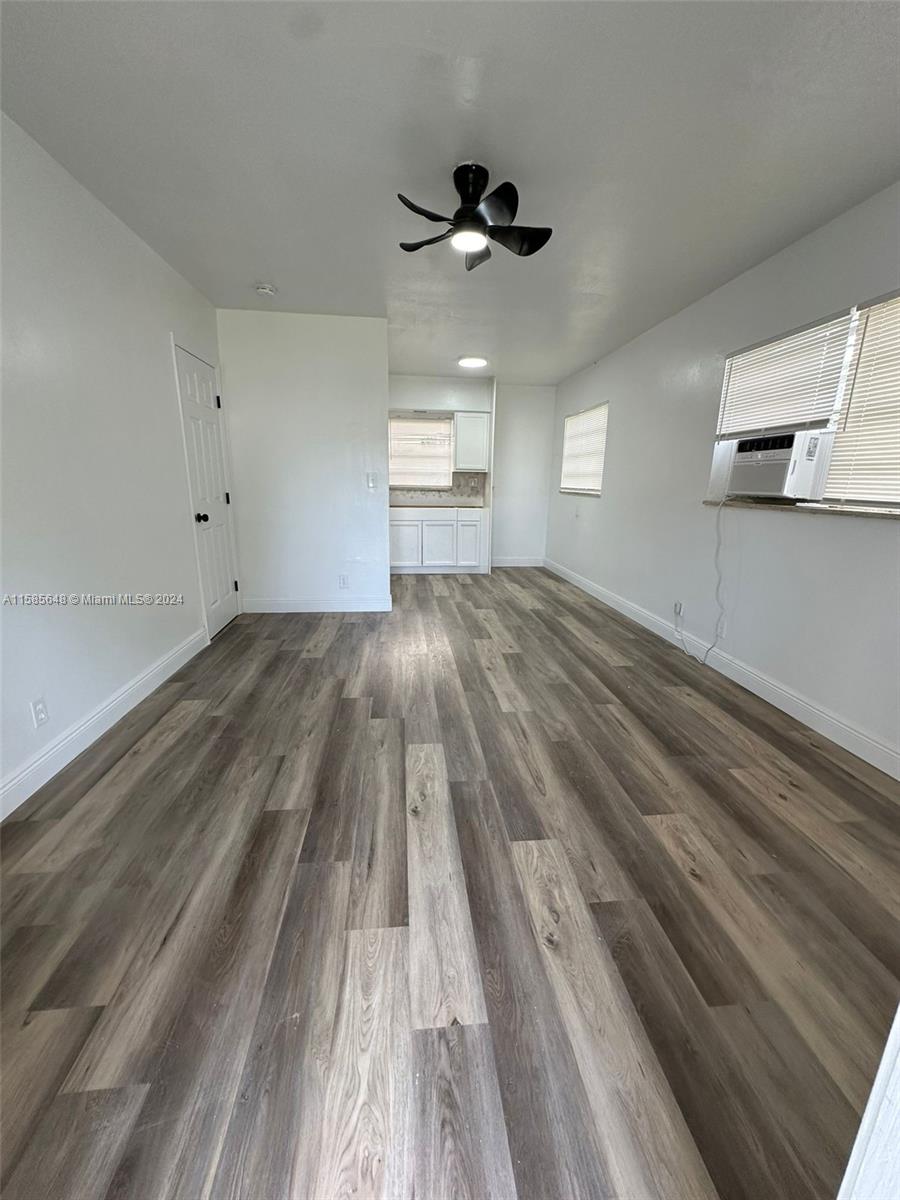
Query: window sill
x: 577, y: 492
x: 833, y: 510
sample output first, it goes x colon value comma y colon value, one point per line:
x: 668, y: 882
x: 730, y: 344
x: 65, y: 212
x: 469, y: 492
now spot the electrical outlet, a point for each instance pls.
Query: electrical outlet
x: 39, y: 713
x: 679, y: 609
x: 343, y: 581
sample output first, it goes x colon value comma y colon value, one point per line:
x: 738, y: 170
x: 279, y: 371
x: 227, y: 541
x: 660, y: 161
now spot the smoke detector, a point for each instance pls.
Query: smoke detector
x: 266, y: 289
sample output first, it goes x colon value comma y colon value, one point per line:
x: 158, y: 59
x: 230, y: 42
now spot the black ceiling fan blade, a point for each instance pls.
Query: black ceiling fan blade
x: 423, y: 212
x: 441, y: 237
x: 499, y: 208
x: 521, y: 239
x: 474, y: 258
x: 470, y: 180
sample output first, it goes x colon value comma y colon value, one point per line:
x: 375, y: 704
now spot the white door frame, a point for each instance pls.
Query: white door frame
x: 226, y: 454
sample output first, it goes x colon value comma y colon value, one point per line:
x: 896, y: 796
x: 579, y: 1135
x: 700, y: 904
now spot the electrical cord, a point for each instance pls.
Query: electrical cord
x: 720, y: 603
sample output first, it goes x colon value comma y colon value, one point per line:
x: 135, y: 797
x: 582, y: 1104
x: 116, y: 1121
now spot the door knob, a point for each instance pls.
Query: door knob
x: 198, y: 517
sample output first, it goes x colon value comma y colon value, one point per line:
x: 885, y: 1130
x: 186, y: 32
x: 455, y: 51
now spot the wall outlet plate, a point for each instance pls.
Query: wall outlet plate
x: 343, y: 581
x: 40, y: 714
x: 679, y: 608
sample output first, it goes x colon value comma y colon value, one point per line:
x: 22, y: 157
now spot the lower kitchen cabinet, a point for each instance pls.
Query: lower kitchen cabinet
x: 436, y: 538
x: 439, y: 543
x: 468, y: 542
x: 406, y: 543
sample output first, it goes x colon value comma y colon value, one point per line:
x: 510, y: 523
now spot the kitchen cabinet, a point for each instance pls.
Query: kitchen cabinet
x: 472, y: 440
x: 436, y: 539
x: 468, y: 541
x: 406, y: 543
x: 439, y: 542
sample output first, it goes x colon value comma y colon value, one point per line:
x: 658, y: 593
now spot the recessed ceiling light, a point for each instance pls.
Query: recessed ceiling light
x: 266, y: 289
x: 468, y: 240
x: 472, y: 362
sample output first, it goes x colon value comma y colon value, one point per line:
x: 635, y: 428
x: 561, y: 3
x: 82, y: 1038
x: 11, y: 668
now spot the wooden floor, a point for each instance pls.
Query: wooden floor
x: 493, y: 896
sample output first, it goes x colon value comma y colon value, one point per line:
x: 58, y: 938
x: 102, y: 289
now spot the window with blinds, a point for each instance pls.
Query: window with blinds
x: 421, y: 452
x: 865, y: 461
x: 584, y: 449
x: 795, y: 382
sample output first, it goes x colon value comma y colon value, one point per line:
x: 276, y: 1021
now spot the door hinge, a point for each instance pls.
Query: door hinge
x: 236, y: 588
x: 218, y: 401
x: 228, y: 497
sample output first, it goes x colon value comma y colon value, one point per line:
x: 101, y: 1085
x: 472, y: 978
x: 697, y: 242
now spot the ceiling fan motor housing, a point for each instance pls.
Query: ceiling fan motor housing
x: 470, y: 180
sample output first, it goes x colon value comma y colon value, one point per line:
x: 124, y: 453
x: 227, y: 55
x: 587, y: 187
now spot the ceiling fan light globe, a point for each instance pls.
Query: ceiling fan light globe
x: 467, y: 241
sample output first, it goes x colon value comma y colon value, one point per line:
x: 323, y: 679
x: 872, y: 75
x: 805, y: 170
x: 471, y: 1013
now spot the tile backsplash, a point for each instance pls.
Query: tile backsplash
x: 467, y: 488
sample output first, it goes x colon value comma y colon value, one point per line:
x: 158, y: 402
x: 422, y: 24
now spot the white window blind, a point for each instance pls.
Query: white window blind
x: 421, y: 452
x: 584, y: 448
x: 794, y: 382
x: 865, y: 462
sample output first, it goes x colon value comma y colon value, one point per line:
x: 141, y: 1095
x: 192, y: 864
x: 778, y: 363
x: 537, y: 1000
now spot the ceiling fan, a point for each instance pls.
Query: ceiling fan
x: 477, y: 219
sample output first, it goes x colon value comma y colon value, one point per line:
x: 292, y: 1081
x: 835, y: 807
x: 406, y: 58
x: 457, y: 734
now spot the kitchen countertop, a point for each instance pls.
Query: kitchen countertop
x: 436, y: 504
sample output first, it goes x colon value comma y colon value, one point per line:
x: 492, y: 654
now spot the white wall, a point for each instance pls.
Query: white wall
x: 812, y: 600
x: 94, y: 487
x: 441, y: 393
x: 523, y: 449
x: 306, y: 400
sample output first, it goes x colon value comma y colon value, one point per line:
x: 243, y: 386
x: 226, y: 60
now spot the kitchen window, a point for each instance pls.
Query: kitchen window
x: 421, y: 452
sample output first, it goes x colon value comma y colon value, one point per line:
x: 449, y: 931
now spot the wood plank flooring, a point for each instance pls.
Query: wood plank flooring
x: 493, y: 897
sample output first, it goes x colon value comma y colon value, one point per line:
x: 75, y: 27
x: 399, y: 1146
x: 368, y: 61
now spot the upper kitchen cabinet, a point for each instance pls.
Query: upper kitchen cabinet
x: 472, y: 436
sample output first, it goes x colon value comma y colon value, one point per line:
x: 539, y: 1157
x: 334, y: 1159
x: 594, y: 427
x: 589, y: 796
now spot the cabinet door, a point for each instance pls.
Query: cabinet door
x: 406, y: 543
x: 468, y: 543
x: 472, y: 436
x: 439, y: 543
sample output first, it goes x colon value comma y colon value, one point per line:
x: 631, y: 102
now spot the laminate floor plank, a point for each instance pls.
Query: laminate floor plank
x: 445, y: 983
x: 495, y: 896
x: 273, y: 1143
x: 174, y: 1150
x: 646, y: 1146
x: 83, y: 824
x: 729, y: 1121
x: 37, y: 1056
x: 378, y: 879
x: 839, y: 1036
x: 460, y: 1146
x: 57, y: 796
x: 76, y: 1146
x: 554, y: 1145
x: 367, y: 1114
x: 126, y: 1043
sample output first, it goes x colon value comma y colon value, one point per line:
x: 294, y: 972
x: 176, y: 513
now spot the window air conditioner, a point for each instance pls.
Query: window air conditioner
x: 780, y: 466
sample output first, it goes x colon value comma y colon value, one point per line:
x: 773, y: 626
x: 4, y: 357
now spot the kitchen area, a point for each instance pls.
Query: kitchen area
x: 440, y: 455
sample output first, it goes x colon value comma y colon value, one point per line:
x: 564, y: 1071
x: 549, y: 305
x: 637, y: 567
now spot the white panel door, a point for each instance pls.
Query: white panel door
x: 472, y: 432
x: 439, y: 543
x: 406, y: 543
x: 468, y: 542
x: 205, y: 448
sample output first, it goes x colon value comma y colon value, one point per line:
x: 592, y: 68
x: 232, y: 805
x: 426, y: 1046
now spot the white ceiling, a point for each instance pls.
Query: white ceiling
x: 670, y: 146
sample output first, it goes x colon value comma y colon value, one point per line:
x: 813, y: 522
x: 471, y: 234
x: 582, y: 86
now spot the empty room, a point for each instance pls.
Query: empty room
x: 450, y: 600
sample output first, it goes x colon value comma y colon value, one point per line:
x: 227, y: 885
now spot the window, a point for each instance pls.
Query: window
x: 865, y: 462
x: 421, y: 452
x: 584, y: 448
x: 790, y: 383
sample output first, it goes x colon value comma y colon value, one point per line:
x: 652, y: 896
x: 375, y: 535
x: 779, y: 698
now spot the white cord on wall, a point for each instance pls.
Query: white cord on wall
x: 720, y: 603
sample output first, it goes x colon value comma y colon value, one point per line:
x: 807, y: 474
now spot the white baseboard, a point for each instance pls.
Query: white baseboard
x: 518, y: 562
x: 440, y: 570
x: 873, y: 1172
x: 822, y: 720
x: 261, y: 604
x: 34, y: 773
